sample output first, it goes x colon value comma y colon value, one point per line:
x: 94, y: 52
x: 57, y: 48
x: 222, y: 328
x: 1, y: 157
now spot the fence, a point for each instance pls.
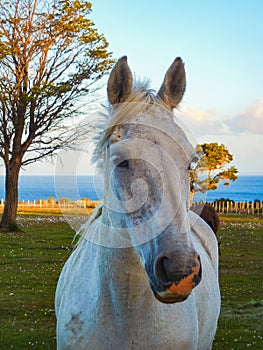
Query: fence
x: 222, y: 207
x: 225, y: 207
x: 55, y: 204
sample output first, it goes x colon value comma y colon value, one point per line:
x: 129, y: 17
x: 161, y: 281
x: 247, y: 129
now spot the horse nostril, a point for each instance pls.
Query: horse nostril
x: 174, y: 270
x: 161, y: 268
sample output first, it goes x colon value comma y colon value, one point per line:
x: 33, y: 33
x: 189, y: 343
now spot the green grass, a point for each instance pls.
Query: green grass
x: 240, y: 324
x: 30, y: 266
x: 31, y: 262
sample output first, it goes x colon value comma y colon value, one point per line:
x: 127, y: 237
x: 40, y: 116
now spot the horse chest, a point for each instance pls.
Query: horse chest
x: 119, y: 312
x: 110, y: 330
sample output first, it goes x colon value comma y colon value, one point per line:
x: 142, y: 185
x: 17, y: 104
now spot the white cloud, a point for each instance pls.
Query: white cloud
x: 248, y: 121
x: 241, y: 133
x: 203, y: 122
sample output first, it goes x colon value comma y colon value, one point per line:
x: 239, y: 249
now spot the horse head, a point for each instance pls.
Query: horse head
x: 147, y: 158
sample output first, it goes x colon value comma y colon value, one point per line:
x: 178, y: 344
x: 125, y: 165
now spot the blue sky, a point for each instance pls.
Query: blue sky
x: 221, y: 45
x: 220, y: 42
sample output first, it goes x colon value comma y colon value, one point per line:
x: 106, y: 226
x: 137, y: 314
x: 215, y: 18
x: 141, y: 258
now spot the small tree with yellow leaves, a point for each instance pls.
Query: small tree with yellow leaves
x: 210, y: 169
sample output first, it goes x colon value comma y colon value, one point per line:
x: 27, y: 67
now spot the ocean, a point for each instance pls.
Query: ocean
x: 244, y: 189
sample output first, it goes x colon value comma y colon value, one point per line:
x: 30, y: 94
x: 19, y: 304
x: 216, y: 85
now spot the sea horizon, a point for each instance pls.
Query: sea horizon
x: 247, y: 188
x: 92, y: 174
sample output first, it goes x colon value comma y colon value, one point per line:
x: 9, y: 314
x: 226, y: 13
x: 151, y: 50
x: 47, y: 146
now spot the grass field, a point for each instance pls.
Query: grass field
x: 31, y: 262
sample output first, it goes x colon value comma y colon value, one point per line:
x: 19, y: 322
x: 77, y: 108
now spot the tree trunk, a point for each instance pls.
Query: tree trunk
x: 8, y: 221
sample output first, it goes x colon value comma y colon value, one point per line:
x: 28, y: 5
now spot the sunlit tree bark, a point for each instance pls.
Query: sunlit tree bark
x: 51, y: 56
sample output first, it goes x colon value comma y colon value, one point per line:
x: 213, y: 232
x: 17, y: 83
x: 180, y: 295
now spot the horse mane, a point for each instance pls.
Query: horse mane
x: 141, y: 100
x: 210, y: 216
x: 80, y: 234
x: 137, y: 103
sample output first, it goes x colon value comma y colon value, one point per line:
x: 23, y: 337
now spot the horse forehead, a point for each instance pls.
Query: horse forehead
x: 152, y: 123
x: 160, y: 129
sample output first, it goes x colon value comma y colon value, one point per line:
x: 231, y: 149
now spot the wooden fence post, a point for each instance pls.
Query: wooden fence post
x: 221, y: 207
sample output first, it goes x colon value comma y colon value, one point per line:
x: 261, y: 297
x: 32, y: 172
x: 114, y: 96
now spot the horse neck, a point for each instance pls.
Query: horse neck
x: 122, y: 277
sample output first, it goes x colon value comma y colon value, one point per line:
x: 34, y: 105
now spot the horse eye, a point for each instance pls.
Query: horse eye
x: 123, y: 165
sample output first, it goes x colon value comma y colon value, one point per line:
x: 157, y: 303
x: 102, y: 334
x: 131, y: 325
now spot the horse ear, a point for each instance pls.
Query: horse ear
x: 173, y: 87
x: 120, y: 82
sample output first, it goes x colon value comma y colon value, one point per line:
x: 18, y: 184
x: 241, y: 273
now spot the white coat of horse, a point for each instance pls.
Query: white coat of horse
x: 145, y: 272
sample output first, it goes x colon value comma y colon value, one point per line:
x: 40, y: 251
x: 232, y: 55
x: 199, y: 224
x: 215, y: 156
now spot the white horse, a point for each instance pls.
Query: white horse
x: 145, y: 273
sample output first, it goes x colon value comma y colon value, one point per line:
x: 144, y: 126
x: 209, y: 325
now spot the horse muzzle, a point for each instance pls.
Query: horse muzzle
x: 175, y: 286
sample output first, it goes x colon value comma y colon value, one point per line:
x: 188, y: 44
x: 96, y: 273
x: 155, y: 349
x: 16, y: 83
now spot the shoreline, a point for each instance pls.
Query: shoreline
x: 244, y: 189
x: 86, y: 207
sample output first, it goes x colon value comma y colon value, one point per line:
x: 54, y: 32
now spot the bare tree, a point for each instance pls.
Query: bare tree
x: 51, y: 56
